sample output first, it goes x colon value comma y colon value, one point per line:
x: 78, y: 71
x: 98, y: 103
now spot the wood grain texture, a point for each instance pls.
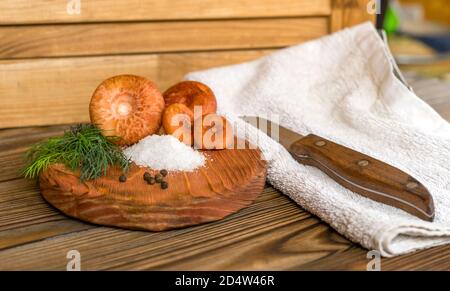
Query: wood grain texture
x: 44, y: 81
x: 125, y: 38
x: 44, y: 11
x: 57, y: 91
x: 14, y: 143
x: 24, y: 216
x: 435, y: 91
x: 346, y: 13
x: 273, y: 226
x: 230, y: 180
x: 273, y: 233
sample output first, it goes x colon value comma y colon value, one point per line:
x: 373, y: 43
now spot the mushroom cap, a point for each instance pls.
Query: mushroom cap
x: 191, y: 94
x: 127, y: 106
x: 178, y: 120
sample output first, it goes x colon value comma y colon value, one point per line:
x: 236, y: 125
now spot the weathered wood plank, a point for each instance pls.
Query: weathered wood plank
x: 21, y: 205
x: 355, y: 259
x: 149, y: 37
x: 434, y: 259
x: 255, y: 226
x: 346, y: 13
x: 25, y: 216
x: 40, y: 231
x: 273, y: 233
x: 57, y: 91
x: 14, y: 143
x: 434, y: 91
x: 352, y: 259
x: 288, y: 247
x: 44, y: 11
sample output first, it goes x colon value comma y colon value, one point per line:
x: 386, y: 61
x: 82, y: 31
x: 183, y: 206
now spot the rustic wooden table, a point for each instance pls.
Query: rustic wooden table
x: 272, y: 234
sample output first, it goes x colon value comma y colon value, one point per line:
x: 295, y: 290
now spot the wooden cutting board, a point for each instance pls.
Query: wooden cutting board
x: 230, y: 180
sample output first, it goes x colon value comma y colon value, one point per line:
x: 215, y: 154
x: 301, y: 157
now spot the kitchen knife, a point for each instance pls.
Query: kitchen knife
x: 360, y: 173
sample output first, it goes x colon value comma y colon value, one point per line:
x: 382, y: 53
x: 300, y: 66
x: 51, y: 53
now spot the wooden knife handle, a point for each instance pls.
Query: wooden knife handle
x: 365, y: 175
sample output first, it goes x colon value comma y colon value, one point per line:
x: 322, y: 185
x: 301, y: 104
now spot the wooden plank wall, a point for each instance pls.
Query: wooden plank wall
x: 51, y: 58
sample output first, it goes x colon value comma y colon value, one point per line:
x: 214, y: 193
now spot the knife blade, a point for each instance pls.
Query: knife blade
x: 358, y: 172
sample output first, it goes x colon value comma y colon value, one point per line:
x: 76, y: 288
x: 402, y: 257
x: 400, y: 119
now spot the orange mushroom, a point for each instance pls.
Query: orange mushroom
x: 178, y: 121
x: 192, y: 94
x: 127, y: 106
x: 213, y: 132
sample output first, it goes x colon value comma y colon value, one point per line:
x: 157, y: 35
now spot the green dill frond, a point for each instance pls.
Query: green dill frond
x: 82, y: 147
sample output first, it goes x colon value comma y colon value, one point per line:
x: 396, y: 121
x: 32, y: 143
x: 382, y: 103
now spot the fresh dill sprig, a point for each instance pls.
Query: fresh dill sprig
x: 81, y: 147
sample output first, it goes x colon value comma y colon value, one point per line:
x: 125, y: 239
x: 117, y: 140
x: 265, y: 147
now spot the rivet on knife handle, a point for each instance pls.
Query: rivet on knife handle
x: 365, y: 175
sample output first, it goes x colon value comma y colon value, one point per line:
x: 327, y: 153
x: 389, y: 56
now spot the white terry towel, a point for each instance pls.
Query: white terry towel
x: 342, y: 87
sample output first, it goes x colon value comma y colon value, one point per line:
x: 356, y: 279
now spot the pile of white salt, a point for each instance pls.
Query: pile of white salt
x: 164, y: 152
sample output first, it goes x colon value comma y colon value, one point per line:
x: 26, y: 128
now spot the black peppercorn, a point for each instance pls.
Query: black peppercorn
x: 163, y: 172
x: 147, y: 176
x: 122, y: 178
x: 164, y: 185
x: 151, y: 181
x: 158, y: 178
